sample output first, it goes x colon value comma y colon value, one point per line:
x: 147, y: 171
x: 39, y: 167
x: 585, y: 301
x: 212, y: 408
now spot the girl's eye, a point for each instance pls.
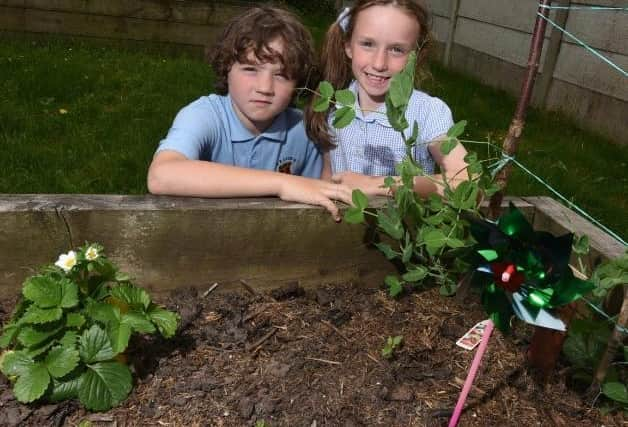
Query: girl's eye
x: 398, y: 50
x: 366, y: 43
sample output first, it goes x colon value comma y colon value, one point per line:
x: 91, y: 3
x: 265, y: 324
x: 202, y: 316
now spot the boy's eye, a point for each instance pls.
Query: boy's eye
x: 249, y: 68
x: 282, y: 76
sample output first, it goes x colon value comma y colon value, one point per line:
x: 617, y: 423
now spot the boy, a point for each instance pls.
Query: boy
x: 245, y: 141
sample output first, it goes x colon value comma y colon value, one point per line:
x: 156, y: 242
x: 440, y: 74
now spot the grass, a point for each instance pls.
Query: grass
x: 119, y: 101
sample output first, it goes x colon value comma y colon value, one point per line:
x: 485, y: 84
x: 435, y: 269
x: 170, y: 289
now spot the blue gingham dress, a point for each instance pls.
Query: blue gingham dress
x: 370, y: 146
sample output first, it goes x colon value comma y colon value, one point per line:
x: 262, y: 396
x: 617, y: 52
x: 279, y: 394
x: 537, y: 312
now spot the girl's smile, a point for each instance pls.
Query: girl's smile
x: 382, y: 39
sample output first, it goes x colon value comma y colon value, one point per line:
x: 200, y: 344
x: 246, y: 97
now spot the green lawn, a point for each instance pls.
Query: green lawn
x: 119, y: 100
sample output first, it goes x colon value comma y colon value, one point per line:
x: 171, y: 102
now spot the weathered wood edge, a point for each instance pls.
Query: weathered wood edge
x: 172, y: 242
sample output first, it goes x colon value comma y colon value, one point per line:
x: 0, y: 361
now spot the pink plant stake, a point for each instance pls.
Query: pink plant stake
x: 477, y: 360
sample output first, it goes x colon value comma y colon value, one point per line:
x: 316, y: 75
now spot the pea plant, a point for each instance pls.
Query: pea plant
x: 427, y: 236
x: 67, y: 336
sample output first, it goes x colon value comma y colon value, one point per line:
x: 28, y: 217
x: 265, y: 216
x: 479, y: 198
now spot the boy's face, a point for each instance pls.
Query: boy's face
x: 259, y: 90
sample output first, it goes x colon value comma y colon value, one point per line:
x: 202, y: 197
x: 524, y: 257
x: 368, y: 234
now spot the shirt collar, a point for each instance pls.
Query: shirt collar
x: 379, y: 116
x: 239, y: 133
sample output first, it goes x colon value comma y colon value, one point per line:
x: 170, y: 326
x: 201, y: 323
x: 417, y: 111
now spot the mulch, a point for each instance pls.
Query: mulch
x: 295, y: 357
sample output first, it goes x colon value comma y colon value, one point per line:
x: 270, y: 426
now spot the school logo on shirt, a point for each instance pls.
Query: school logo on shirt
x: 285, y: 165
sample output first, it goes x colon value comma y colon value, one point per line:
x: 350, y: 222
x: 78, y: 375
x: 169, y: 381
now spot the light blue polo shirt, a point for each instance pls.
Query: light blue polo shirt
x: 209, y: 129
x: 369, y: 145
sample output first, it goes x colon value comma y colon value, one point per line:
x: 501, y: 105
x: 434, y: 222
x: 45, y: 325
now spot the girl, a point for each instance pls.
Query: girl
x: 363, y: 49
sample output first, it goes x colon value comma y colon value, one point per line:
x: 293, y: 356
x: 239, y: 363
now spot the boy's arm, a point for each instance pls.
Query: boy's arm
x: 172, y: 173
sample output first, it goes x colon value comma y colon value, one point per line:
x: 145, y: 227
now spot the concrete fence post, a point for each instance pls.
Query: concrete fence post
x: 453, y: 20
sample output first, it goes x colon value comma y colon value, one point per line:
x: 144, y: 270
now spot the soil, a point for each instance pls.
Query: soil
x: 313, y: 358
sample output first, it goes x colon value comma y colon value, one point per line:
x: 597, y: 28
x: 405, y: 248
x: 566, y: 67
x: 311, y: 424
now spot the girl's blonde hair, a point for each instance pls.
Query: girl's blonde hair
x: 336, y: 66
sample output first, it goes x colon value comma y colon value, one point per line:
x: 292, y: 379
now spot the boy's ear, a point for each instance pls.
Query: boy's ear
x: 348, y: 50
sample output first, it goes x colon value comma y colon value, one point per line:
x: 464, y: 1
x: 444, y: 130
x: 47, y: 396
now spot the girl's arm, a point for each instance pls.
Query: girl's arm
x: 452, y: 166
x: 174, y: 174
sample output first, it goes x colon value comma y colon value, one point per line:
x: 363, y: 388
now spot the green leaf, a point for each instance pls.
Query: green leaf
x: 407, y: 252
x: 104, y: 312
x: 343, y: 117
x: 119, y: 335
x: 354, y: 215
x: 104, y: 385
x: 69, y: 291
x: 44, y: 291
x: 94, y: 345
x: 15, y: 363
x: 457, y: 129
x: 581, y: 245
x: 447, y: 289
x: 138, y: 322
x: 401, y: 87
x: 33, y: 335
x: 448, y: 145
x: 166, y: 321
x: 69, y: 339
x: 74, y: 320
x: 32, y: 384
x: 38, y: 315
x: 132, y: 295
x: 345, y: 97
x: 396, y: 116
x: 320, y: 104
x: 60, y: 361
x: 325, y: 89
x: 9, y: 333
x: 455, y: 243
x: 39, y: 350
x: 388, y: 252
x: 434, y: 240
x: 416, y: 274
x: 64, y: 390
x: 616, y: 391
x: 394, y: 285
x: 359, y: 199
x: 390, y: 223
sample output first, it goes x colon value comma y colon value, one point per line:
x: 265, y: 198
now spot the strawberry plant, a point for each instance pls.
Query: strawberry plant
x: 67, y: 335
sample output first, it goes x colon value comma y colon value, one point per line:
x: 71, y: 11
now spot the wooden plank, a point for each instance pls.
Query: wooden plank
x: 551, y: 216
x: 37, y: 21
x: 189, y: 11
x: 516, y: 15
x: 451, y: 31
x: 170, y: 242
x: 606, y: 30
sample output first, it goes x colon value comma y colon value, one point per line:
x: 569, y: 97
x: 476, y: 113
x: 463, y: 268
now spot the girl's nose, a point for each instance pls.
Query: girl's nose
x: 380, y: 60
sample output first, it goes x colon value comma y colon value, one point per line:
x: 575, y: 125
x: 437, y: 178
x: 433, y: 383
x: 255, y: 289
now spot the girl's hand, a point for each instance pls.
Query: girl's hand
x: 315, y: 192
x: 370, y: 185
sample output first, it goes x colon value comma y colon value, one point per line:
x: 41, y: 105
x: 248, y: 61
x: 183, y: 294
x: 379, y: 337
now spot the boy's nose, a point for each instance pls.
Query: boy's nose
x: 380, y: 60
x: 265, y: 84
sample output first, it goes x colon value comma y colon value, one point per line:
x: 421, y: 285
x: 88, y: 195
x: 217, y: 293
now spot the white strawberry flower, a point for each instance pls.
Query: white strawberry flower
x: 91, y: 253
x: 66, y: 261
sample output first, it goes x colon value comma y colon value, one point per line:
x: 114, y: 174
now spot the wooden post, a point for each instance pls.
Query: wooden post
x: 551, y: 57
x: 453, y: 21
x: 518, y: 121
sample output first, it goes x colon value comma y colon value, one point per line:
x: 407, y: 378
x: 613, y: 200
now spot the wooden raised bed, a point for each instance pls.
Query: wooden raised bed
x: 168, y: 242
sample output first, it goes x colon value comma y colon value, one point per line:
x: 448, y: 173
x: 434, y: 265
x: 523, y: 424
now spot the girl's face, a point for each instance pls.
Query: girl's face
x: 382, y: 39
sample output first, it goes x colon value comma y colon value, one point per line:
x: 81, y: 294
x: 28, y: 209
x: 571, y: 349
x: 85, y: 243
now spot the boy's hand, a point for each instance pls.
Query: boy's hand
x: 370, y: 185
x: 315, y: 192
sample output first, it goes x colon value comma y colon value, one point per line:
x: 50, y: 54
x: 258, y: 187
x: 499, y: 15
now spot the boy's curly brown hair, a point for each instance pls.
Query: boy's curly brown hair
x: 252, y: 32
